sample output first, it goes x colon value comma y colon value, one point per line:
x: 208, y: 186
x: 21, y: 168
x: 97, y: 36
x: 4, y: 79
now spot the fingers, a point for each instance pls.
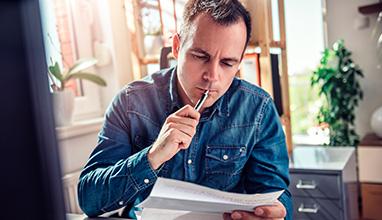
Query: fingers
x: 179, y: 137
x: 245, y: 215
x: 183, y: 120
x: 227, y: 216
x: 272, y: 211
x: 188, y: 111
x: 169, y: 142
x: 175, y: 134
x: 188, y: 130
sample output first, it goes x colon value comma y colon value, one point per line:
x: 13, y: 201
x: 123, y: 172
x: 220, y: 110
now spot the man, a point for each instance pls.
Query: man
x: 235, y: 144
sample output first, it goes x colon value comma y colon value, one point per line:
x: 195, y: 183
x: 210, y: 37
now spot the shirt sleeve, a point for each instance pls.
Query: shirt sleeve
x: 114, y: 175
x: 267, y: 170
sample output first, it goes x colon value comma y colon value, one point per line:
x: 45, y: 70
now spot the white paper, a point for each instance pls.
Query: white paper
x: 169, y: 194
x: 165, y: 214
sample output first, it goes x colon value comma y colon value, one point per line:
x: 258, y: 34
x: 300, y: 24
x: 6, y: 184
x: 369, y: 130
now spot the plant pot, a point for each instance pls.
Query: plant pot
x: 63, y: 104
x: 376, y: 122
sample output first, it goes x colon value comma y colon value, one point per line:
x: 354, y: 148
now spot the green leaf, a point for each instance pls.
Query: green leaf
x: 87, y: 76
x: 82, y: 64
x: 55, y: 71
x: 337, y: 79
x: 359, y: 73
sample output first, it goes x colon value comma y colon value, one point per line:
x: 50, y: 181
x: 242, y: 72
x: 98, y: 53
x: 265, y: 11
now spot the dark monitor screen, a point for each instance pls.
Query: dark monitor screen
x: 30, y: 179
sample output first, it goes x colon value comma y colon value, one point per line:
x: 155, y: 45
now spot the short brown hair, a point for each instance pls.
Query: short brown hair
x: 224, y: 12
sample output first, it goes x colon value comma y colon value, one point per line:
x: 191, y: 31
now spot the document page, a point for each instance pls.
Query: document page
x: 179, y: 195
x: 165, y: 214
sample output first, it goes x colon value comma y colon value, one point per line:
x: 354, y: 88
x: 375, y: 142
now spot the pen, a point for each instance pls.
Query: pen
x: 199, y: 104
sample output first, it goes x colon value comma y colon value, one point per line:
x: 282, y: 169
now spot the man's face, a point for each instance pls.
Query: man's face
x: 208, y: 58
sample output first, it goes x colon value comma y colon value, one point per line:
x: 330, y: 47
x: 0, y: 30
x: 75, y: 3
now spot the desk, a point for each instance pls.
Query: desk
x: 84, y: 217
x: 324, y: 183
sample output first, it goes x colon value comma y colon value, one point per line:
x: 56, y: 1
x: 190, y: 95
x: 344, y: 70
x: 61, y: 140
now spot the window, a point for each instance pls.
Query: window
x: 155, y: 22
x: 72, y: 29
x: 305, y: 42
x: 250, y: 68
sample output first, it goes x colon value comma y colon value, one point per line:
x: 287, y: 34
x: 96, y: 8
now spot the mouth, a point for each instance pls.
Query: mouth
x: 202, y: 90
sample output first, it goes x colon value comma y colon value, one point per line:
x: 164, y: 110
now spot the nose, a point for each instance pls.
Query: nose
x: 212, y: 72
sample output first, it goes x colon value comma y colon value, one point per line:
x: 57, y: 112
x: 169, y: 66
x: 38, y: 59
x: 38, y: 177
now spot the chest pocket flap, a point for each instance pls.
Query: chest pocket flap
x: 225, y: 159
x: 225, y: 153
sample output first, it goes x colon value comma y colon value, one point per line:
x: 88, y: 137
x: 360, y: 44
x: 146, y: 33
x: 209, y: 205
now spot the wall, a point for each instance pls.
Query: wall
x: 78, y: 141
x: 76, y: 147
x: 74, y: 152
x: 342, y: 16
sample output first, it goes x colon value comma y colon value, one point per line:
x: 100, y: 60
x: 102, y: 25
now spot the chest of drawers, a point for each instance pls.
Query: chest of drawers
x: 324, y: 183
x: 370, y: 176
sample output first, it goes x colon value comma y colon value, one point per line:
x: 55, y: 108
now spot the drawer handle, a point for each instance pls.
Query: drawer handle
x: 303, y: 185
x: 303, y: 209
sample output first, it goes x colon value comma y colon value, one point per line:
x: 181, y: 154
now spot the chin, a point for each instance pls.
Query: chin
x: 209, y: 102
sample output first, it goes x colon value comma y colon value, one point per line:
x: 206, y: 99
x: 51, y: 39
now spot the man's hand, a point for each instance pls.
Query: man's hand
x: 274, y: 212
x: 176, y: 134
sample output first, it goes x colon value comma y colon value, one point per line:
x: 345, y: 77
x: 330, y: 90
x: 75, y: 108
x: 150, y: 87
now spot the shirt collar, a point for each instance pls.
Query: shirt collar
x: 175, y: 101
x: 220, y: 106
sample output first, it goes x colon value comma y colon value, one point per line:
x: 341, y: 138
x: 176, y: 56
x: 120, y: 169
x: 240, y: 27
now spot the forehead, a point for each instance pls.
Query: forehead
x: 211, y: 36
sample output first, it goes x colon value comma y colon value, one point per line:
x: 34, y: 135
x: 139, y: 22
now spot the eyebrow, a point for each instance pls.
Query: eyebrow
x: 227, y: 59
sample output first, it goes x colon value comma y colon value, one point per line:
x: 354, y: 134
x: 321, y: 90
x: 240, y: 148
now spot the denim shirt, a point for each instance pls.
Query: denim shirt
x: 239, y: 146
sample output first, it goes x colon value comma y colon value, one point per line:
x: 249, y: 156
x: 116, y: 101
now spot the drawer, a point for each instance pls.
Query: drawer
x: 315, y: 185
x: 322, y: 209
x: 371, y: 200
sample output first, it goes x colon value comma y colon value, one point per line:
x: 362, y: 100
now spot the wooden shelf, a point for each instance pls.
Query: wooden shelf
x: 370, y: 9
x: 149, y: 59
x: 371, y: 140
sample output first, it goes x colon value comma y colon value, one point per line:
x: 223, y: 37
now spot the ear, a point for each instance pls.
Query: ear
x: 175, y: 45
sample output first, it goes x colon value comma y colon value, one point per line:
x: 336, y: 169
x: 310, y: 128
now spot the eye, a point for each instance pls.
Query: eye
x: 227, y: 64
x: 200, y: 57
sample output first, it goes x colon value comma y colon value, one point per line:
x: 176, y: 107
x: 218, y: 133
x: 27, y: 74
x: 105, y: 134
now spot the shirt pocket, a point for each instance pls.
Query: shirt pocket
x: 225, y: 159
x: 224, y: 164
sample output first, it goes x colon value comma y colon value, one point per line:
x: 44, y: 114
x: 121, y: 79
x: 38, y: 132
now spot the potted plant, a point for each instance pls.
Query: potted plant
x: 337, y: 77
x: 63, y: 98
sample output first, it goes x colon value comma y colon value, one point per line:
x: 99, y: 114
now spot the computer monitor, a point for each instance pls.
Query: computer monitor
x: 30, y: 178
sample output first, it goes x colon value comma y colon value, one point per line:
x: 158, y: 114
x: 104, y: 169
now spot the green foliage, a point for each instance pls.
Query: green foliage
x: 74, y: 72
x: 338, y: 80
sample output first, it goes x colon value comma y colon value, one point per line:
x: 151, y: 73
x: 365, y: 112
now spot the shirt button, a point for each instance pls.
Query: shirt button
x: 225, y: 157
x: 120, y: 202
x: 146, y: 181
x: 189, y: 161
